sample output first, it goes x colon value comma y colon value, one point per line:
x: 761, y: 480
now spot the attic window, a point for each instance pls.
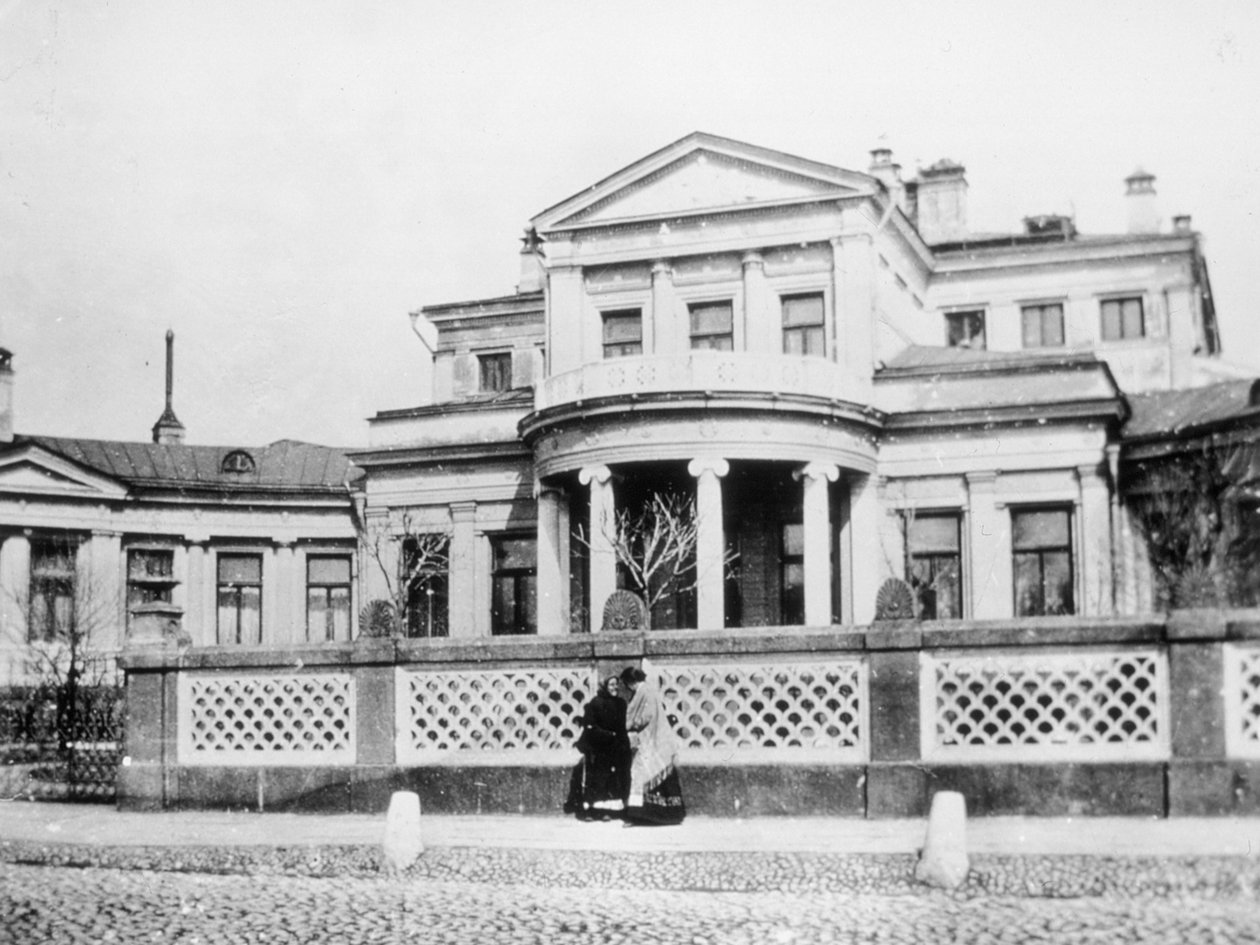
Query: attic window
x: 237, y: 461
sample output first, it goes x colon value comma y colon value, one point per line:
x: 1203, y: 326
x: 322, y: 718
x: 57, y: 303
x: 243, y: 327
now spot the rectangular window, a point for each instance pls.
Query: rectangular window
x: 150, y: 577
x: 965, y: 329
x: 1041, y: 545
x: 240, y: 599
x: 327, y: 598
x: 623, y: 333
x: 52, y: 587
x: 803, y: 325
x: 792, y: 574
x: 1123, y: 319
x: 712, y: 326
x: 426, y: 559
x: 514, y: 605
x: 495, y: 371
x: 1043, y: 325
x: 934, y: 564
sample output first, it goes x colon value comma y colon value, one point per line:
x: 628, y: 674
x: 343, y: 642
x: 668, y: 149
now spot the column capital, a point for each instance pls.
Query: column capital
x: 1088, y: 473
x: 463, y: 511
x: 817, y: 471
x: 986, y: 478
x: 106, y: 533
x: 588, y: 474
x: 752, y: 259
x: 703, y: 464
x: 662, y: 267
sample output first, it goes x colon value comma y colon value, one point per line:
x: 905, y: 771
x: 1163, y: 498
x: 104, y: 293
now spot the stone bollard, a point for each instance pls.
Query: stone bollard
x: 402, y: 844
x: 943, y: 861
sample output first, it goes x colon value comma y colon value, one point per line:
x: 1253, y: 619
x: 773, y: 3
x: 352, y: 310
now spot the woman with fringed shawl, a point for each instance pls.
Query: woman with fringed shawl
x: 655, y: 791
x: 601, y: 780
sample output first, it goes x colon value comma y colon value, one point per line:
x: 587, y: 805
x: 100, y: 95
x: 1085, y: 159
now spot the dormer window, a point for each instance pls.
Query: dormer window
x: 712, y: 326
x: 237, y: 462
x: 965, y: 329
x: 495, y: 372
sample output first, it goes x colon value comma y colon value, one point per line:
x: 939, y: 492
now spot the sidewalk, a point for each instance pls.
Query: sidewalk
x: 101, y: 825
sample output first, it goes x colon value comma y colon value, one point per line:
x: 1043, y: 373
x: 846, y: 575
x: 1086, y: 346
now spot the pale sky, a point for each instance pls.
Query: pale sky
x: 281, y: 181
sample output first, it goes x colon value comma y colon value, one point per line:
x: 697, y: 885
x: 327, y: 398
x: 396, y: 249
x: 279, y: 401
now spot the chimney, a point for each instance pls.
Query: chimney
x: 1140, y: 196
x: 533, y: 272
x: 1181, y: 224
x: 6, y: 395
x: 889, y: 174
x: 168, y: 430
x: 941, y: 202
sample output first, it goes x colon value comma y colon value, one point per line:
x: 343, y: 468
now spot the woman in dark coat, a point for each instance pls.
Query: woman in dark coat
x: 601, y: 780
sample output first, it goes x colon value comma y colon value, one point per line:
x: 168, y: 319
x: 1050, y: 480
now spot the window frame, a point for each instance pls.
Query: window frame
x: 524, y: 588
x: 330, y: 632
x: 150, y: 588
x: 219, y: 585
x: 804, y: 331
x: 1120, y: 299
x: 933, y: 556
x: 494, y: 368
x: 611, y: 348
x: 706, y: 336
x: 1041, y: 552
x: 791, y: 611
x: 433, y: 589
x: 1043, y: 308
x: 53, y: 587
x: 980, y: 313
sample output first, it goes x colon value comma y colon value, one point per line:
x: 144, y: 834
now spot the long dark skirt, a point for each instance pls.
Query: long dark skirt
x: 598, y: 786
x: 662, y: 803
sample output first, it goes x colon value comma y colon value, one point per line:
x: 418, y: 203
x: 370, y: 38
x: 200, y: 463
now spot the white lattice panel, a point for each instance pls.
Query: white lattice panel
x: 1030, y: 706
x: 1242, y: 700
x: 768, y: 711
x: 266, y: 718
x: 526, y: 715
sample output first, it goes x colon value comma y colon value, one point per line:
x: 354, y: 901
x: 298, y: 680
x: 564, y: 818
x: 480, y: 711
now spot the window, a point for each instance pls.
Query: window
x: 513, y: 607
x: 1123, y: 319
x: 426, y: 559
x: 934, y: 564
x: 240, y: 598
x: 51, y: 615
x: 965, y: 329
x: 803, y: 325
x: 792, y: 574
x: 327, y: 598
x: 711, y: 326
x: 496, y: 371
x: 1041, y: 544
x: 1043, y: 325
x: 237, y: 461
x: 150, y: 576
x: 623, y: 333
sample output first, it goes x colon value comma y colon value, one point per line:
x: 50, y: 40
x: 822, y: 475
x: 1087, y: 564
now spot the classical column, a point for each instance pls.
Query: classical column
x: 15, y: 581
x: 553, y: 610
x: 463, y: 570
x: 106, y: 584
x: 602, y: 521
x: 657, y: 325
x: 1096, y: 547
x: 866, y: 564
x: 992, y: 593
x: 759, y: 329
x: 286, y: 628
x: 710, y: 542
x: 816, y: 516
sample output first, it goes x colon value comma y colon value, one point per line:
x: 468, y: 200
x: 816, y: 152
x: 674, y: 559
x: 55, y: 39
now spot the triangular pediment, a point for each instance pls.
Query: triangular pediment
x: 33, y: 471
x: 702, y: 173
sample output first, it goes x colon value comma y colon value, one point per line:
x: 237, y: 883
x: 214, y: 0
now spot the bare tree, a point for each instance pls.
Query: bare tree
x: 655, y: 547
x: 1189, y: 508
x: 413, y: 565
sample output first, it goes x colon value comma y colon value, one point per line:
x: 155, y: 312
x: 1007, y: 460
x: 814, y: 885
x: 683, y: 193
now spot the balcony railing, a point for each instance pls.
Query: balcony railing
x: 717, y: 372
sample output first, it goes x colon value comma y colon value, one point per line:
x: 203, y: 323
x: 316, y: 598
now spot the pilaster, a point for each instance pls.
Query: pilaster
x: 816, y: 512
x: 553, y: 585
x: 864, y: 571
x: 660, y: 327
x: 603, y: 520
x: 463, y: 570
x: 990, y: 544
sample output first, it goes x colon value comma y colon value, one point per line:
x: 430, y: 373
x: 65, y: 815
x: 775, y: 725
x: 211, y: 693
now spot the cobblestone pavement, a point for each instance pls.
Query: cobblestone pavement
x: 41, y: 904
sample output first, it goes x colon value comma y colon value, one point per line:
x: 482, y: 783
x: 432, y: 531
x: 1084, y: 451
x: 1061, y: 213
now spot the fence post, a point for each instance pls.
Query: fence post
x: 896, y: 784
x: 146, y: 774
x: 1200, y: 779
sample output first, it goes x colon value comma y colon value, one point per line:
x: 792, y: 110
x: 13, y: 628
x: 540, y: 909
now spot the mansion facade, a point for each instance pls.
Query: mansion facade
x: 843, y: 380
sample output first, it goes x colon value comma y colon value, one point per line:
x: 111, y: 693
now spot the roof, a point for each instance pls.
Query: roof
x: 936, y: 357
x: 285, y: 465
x: 1177, y: 412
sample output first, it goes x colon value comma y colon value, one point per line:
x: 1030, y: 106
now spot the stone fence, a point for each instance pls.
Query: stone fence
x: 1152, y: 716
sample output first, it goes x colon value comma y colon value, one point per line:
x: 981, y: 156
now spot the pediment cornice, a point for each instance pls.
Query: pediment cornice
x: 32, y: 470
